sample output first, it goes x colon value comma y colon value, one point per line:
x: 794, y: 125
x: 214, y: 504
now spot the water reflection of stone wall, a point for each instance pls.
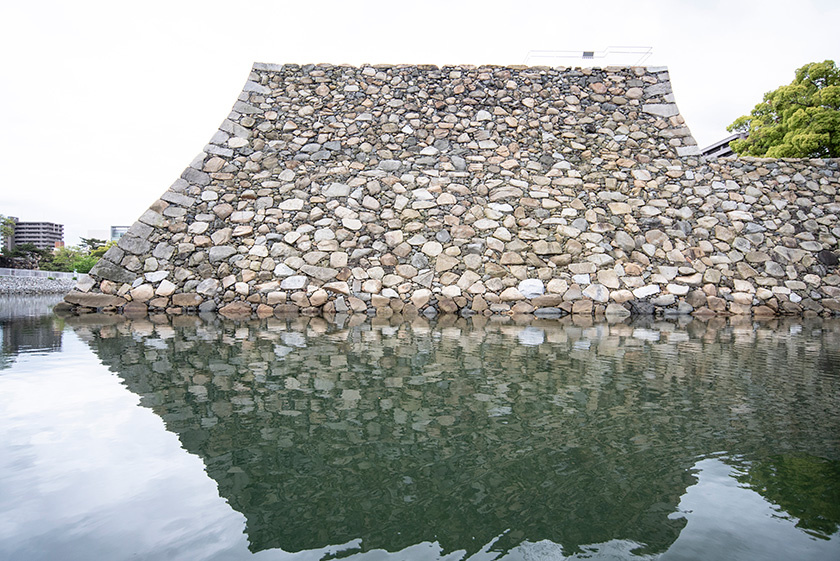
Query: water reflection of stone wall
x: 463, y: 430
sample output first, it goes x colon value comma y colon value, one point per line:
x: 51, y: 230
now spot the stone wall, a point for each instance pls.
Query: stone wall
x: 417, y: 189
x: 47, y: 282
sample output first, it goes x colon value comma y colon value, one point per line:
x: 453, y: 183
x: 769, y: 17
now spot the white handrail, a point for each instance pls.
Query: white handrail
x: 4, y: 272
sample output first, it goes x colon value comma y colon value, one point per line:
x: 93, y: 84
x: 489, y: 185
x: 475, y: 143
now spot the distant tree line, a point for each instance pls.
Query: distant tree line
x: 80, y: 258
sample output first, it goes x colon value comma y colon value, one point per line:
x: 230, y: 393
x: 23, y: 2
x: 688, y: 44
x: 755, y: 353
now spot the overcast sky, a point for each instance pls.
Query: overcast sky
x: 105, y: 103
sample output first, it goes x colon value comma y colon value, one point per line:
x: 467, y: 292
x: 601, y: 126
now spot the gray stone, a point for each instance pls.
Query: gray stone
x: 208, y: 287
x: 93, y: 300
x: 390, y: 165
x: 222, y: 252
x: 661, y: 109
x: 134, y: 245
x: 196, y: 177
x: 107, y: 270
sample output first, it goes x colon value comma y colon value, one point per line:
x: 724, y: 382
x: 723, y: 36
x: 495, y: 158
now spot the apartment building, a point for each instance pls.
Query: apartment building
x: 43, y: 235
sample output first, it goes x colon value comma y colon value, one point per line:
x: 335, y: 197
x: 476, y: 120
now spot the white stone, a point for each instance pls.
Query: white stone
x: 451, y: 291
x: 616, y: 311
x: 531, y: 288
x: 420, y: 297
x: 352, y: 224
x: 295, y: 282
x: 291, y: 204
x: 198, y: 227
x: 597, y: 292
x: 240, y: 216
x: 156, y: 276
x: 337, y: 190
x: 283, y: 270
x: 166, y: 288
x: 485, y: 224
x: 645, y: 291
x: 432, y: 249
x: 677, y: 289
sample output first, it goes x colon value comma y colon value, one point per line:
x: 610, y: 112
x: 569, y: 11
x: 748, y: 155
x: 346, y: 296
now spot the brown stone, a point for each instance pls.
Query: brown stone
x: 281, y: 310
x: 236, y: 310
x: 703, y: 312
x: 547, y: 300
x: 264, y: 311
x: 357, y: 304
x: 135, y: 309
x: 582, y: 307
x: 479, y: 304
x: 696, y: 298
x: 186, y: 299
x: 159, y: 302
x: 831, y: 304
x: 790, y: 308
x: 522, y: 308
x: 763, y: 311
x: 93, y: 300
x: 716, y: 304
x: 447, y: 306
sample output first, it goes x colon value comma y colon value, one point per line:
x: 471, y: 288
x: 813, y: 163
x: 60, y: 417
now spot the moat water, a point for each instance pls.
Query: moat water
x: 456, y: 439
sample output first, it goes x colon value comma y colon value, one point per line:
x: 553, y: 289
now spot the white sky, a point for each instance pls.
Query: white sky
x: 105, y: 103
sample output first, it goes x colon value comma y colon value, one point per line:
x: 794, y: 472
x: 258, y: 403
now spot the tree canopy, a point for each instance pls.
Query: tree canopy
x: 7, y: 228
x: 800, y: 120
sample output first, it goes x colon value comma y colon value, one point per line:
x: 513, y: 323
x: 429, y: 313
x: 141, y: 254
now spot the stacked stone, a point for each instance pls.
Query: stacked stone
x: 406, y: 189
x: 35, y: 285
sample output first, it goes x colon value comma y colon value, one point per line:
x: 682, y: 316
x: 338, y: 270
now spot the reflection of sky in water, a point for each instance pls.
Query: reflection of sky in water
x: 86, y: 473
x: 720, y: 512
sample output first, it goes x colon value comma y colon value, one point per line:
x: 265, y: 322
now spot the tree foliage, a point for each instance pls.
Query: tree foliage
x: 7, y: 229
x: 92, y: 243
x: 80, y: 259
x: 806, y: 487
x: 800, y: 120
x: 25, y: 256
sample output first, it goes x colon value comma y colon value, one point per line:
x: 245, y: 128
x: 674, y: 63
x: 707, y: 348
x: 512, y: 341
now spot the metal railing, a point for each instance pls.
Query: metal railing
x: 33, y: 273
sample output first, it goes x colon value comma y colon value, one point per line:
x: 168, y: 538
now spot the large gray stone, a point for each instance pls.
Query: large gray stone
x: 107, y: 270
x: 93, y: 300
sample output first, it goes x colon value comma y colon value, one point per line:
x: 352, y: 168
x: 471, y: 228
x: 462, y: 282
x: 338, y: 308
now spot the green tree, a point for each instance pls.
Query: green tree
x: 800, y: 120
x: 7, y: 230
x: 91, y: 244
x: 28, y: 256
x: 62, y: 259
x: 80, y: 259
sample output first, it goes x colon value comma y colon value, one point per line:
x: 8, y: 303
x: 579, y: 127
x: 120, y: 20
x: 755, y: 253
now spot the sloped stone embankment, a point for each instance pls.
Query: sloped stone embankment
x: 414, y: 189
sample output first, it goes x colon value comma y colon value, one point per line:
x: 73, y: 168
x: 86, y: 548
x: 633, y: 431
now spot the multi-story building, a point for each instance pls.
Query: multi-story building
x: 117, y: 232
x: 43, y: 235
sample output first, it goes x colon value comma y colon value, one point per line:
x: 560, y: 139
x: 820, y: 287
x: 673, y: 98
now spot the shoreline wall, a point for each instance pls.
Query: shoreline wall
x: 490, y: 190
x: 24, y: 281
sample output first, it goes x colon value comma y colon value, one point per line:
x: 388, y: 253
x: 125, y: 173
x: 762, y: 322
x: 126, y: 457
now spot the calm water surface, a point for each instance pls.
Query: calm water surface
x: 458, y: 439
